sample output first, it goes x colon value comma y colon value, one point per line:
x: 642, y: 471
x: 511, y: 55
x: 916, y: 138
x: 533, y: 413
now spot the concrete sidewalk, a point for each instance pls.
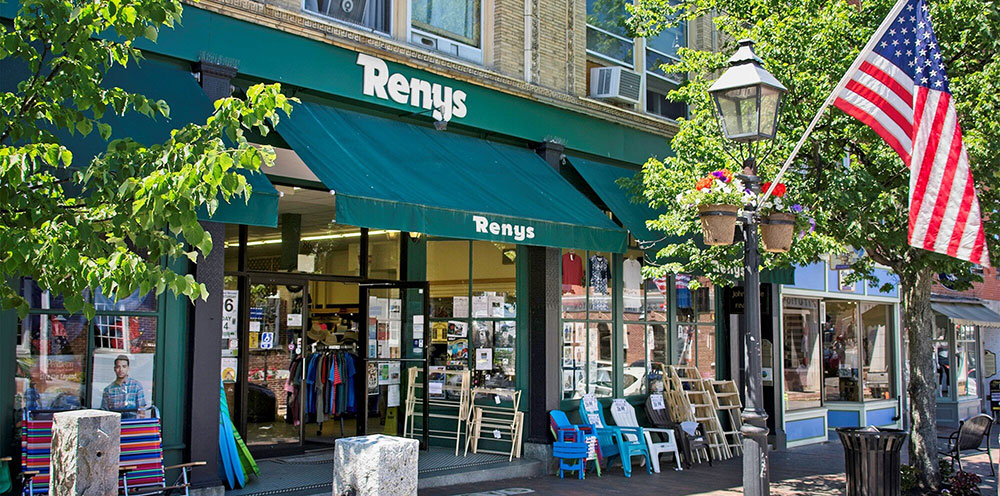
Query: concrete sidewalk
x: 816, y: 470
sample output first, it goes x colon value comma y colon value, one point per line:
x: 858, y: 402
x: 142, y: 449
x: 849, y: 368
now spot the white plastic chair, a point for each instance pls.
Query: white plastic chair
x: 624, y: 415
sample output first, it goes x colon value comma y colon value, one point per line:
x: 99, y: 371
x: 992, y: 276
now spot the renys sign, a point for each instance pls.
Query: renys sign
x: 445, y: 101
x: 516, y: 231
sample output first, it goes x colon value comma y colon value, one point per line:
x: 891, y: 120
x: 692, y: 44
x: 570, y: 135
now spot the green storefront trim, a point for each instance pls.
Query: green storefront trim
x: 268, y: 54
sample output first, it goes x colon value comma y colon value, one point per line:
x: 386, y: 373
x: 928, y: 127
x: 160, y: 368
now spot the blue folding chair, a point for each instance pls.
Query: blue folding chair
x: 572, y: 451
x: 624, y: 442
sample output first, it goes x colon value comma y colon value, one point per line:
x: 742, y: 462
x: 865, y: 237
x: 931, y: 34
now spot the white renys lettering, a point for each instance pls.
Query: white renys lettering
x: 445, y: 101
x: 516, y: 231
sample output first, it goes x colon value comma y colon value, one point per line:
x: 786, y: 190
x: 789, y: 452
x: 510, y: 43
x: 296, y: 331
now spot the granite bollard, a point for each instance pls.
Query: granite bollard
x: 86, y: 446
x: 375, y: 465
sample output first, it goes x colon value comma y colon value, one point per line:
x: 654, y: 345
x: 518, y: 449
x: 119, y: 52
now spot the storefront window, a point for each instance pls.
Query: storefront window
x: 66, y: 361
x: 696, y: 324
x: 803, y: 363
x: 966, y: 351
x: 877, y: 339
x: 646, y: 340
x: 941, y: 355
x: 51, y: 356
x: 383, y: 254
x: 473, y: 309
x: 587, y: 291
x: 841, y: 355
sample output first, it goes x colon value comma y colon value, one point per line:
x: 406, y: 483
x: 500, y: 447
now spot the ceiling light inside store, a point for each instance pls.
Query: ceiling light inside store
x: 318, y: 237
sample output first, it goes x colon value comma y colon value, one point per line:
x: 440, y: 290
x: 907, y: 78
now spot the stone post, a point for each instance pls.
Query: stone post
x: 86, y: 446
x: 375, y: 465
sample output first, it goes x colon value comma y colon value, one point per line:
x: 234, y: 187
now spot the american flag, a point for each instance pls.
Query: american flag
x: 900, y: 90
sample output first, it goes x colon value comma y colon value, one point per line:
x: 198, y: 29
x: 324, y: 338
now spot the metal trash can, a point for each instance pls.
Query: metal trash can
x: 871, y: 459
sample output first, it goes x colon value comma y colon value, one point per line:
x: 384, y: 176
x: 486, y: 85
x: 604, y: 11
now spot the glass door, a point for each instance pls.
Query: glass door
x: 271, y: 368
x: 393, y: 347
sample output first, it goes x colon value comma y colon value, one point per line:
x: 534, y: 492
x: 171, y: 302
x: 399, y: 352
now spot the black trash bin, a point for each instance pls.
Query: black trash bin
x: 871, y: 459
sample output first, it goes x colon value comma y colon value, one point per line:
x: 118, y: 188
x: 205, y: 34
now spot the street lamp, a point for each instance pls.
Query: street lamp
x: 747, y: 101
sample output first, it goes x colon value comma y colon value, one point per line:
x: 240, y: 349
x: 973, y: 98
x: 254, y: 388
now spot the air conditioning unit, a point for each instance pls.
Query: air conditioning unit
x: 616, y: 84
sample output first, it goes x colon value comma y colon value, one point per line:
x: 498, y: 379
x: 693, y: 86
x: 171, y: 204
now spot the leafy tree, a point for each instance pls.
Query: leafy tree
x: 853, y: 185
x: 110, y: 221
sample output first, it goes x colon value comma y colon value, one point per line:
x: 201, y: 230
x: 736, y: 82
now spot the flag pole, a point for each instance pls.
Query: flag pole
x: 896, y: 9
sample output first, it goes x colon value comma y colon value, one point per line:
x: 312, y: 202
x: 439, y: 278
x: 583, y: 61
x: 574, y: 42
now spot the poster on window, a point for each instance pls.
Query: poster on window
x: 505, y: 334
x: 121, y: 381
x: 482, y: 334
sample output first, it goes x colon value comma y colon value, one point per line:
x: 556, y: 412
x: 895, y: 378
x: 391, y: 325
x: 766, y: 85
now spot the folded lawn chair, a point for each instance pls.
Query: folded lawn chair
x: 141, y: 470
x: 624, y: 415
x: 611, y: 438
x: 564, y: 431
x: 691, y: 441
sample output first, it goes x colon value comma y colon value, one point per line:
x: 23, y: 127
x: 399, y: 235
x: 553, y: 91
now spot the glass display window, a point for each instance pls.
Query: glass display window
x: 588, y: 363
x: 473, y: 298
x: 803, y: 363
x: 966, y: 358
x: 841, y: 352
x: 877, y: 341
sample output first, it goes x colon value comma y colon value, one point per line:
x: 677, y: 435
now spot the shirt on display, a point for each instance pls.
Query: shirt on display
x: 572, y: 269
x: 599, y: 274
x: 631, y: 274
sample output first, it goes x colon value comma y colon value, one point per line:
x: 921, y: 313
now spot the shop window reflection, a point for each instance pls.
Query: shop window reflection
x: 877, y: 332
x: 50, y: 362
x: 965, y: 361
x: 840, y: 352
x: 803, y: 365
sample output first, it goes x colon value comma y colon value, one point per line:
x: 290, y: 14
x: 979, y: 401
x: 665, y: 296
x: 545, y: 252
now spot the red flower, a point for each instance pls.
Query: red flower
x: 779, y: 190
x: 703, y: 183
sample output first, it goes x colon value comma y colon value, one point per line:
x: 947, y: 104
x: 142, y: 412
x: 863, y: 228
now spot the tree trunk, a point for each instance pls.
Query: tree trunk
x: 917, y: 320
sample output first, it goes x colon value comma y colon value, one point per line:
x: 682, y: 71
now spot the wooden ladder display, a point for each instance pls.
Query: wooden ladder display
x: 728, y: 404
x: 501, y: 423
x: 451, y: 403
x: 693, y: 395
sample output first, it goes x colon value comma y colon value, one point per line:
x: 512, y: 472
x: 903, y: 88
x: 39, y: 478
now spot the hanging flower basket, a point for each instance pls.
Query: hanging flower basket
x: 718, y: 223
x: 776, y: 232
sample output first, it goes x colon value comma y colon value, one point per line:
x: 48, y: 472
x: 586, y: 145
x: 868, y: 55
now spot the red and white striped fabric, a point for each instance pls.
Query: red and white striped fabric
x: 900, y: 90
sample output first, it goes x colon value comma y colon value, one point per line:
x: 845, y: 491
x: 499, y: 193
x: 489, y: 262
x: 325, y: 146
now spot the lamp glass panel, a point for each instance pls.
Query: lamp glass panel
x: 770, y: 103
x: 739, y: 109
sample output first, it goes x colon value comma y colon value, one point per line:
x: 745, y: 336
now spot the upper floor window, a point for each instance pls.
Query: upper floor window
x: 453, y: 27
x: 372, y: 14
x: 607, y: 36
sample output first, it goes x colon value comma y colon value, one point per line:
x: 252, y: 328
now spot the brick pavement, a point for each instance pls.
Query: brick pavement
x: 816, y: 470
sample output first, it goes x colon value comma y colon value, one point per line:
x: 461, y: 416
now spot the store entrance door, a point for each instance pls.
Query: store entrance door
x: 270, y: 343
x: 393, y: 345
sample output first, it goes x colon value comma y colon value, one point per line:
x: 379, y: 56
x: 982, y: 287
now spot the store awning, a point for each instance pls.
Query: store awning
x: 967, y: 313
x: 188, y: 104
x: 604, y: 180
x: 388, y: 174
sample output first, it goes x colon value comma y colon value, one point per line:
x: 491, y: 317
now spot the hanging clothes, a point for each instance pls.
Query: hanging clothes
x: 572, y: 270
x: 599, y: 273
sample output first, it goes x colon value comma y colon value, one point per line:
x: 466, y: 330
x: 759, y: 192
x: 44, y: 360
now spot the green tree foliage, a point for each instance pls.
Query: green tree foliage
x: 112, y: 222
x: 861, y: 201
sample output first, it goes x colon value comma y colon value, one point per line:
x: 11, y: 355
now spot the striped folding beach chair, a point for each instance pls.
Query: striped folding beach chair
x: 141, y: 470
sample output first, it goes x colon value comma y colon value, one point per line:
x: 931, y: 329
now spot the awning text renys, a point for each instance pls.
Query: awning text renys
x: 388, y: 174
x: 967, y: 313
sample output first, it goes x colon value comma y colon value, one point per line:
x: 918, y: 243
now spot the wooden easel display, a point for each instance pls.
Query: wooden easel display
x: 727, y: 402
x: 500, y: 422
x: 450, y: 403
x: 691, y: 399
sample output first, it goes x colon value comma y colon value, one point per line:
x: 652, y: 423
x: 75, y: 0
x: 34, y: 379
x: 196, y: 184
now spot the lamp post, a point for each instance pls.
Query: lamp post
x: 747, y: 101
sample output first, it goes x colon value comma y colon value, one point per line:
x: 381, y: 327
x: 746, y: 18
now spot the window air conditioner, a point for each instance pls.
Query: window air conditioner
x: 616, y: 84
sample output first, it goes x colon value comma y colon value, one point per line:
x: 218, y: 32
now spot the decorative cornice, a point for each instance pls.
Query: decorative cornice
x: 344, y: 36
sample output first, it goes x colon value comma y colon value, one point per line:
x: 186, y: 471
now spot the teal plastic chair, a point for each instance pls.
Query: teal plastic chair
x: 624, y: 442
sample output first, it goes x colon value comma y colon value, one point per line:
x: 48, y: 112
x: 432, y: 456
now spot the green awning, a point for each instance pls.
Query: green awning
x: 388, y: 174
x: 188, y: 103
x: 627, y: 205
x: 967, y: 313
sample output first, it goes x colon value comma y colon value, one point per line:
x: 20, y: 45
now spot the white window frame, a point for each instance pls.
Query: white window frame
x: 473, y: 54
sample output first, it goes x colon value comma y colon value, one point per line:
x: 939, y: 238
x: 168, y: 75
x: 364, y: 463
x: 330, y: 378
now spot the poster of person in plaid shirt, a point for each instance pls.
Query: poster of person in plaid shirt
x: 125, y: 393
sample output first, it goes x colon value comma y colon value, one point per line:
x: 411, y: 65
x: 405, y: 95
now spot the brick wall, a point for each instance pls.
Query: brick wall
x: 508, y: 37
x: 989, y: 289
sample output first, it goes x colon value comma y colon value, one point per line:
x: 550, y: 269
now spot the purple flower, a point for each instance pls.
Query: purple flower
x: 812, y: 227
x: 797, y: 208
x: 721, y: 175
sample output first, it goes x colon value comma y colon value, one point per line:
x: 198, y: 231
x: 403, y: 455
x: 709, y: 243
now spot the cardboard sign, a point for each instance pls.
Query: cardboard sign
x: 590, y: 403
x: 656, y: 401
